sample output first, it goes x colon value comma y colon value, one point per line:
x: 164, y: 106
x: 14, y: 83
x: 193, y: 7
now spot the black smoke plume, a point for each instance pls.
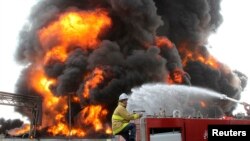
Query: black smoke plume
x: 9, y: 124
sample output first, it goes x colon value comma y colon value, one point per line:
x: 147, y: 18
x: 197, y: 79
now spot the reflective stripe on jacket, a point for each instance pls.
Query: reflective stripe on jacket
x: 121, y: 117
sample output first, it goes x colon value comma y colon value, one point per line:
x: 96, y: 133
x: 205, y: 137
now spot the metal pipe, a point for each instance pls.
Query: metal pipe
x: 139, y: 111
x: 69, y: 104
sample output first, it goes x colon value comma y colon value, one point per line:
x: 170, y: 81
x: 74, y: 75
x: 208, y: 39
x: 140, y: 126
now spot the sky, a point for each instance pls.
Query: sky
x: 229, y: 44
x: 13, y: 15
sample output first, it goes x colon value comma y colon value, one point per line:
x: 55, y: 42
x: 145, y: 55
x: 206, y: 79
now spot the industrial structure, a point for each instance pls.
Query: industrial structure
x: 33, y: 105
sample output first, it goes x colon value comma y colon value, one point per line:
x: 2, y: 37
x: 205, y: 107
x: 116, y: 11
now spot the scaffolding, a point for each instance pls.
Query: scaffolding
x: 32, y: 103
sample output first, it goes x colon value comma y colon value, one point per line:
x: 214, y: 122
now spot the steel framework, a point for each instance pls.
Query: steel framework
x: 32, y: 103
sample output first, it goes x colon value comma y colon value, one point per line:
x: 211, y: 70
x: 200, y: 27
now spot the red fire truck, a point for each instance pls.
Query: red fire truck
x: 176, y: 128
x: 180, y: 129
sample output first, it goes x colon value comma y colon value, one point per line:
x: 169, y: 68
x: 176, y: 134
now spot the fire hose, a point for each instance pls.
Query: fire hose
x: 246, y: 105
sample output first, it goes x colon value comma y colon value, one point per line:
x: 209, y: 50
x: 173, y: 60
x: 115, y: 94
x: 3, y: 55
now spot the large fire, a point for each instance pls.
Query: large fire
x: 78, y: 28
x: 92, y: 115
x: 95, y: 79
x: 73, y: 28
x: 163, y: 42
x: 196, y: 55
x: 19, y: 131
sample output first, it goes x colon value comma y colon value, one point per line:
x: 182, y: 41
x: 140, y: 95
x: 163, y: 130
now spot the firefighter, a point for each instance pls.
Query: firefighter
x: 121, y: 124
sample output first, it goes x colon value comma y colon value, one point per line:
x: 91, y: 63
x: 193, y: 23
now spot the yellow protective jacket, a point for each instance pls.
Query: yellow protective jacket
x: 121, y: 118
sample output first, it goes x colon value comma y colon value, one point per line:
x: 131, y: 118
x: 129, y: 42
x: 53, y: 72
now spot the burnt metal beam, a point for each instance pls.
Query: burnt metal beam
x: 31, y: 103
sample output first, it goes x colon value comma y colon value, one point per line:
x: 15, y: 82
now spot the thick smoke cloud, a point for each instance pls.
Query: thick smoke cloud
x: 69, y: 79
x: 140, y: 19
x: 9, y: 124
x: 191, y: 21
x: 128, y: 52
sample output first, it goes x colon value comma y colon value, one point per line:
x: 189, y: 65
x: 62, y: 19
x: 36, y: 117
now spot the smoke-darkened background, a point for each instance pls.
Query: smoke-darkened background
x: 94, y: 50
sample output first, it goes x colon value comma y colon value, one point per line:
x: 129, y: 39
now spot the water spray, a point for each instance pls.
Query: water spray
x: 224, y: 97
x: 246, y: 105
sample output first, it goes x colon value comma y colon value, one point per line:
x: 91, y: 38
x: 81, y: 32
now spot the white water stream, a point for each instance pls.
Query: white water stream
x: 189, y: 100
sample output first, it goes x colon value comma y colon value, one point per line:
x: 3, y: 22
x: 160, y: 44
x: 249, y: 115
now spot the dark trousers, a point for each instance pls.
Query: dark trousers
x: 129, y: 132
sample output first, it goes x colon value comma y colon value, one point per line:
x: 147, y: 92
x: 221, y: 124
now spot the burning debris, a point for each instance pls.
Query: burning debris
x: 25, y: 128
x: 6, y: 125
x: 89, y: 51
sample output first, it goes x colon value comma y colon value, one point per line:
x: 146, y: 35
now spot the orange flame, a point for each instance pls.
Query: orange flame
x: 227, y: 118
x: 168, y: 79
x: 74, y: 28
x: 163, y: 42
x: 52, y: 106
x: 176, y: 76
x: 41, y: 84
x: 91, y: 115
x: 63, y: 129
x: 57, y: 106
x: 76, y: 99
x: 25, y: 128
x: 203, y: 104
x: 193, y: 55
x: 60, y: 126
x: 108, y: 130
x: 96, y: 78
x: 58, y: 53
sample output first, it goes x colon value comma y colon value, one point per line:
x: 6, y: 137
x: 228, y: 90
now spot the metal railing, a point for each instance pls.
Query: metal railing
x: 32, y: 103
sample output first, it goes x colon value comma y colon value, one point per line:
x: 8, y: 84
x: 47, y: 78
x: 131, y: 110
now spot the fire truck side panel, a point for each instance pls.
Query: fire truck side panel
x: 197, y: 129
x: 191, y: 129
x: 171, y: 123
